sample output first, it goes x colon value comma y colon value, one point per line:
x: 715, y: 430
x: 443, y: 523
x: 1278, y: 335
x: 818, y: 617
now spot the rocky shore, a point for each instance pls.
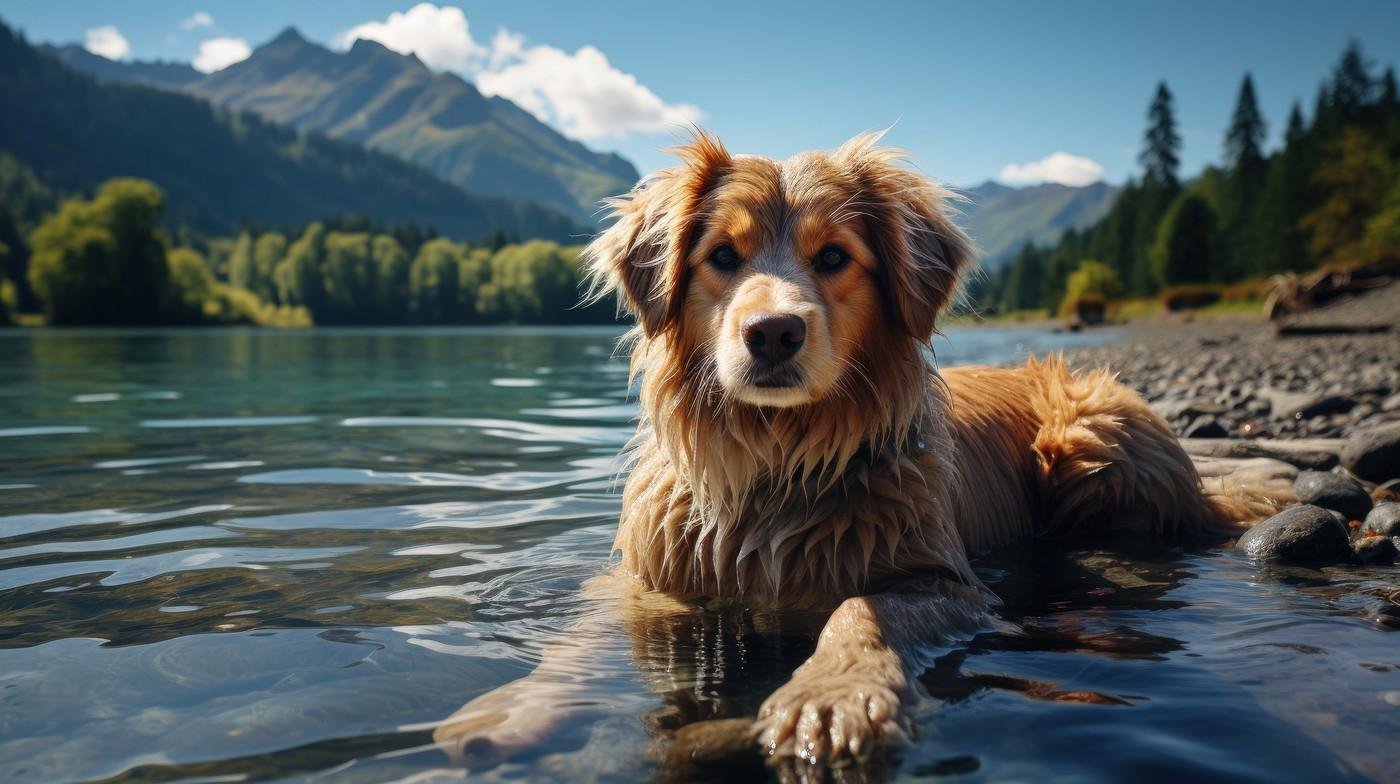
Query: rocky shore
x: 1316, y: 412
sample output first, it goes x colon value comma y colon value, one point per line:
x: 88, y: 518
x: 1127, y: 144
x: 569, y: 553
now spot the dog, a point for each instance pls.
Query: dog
x: 799, y: 447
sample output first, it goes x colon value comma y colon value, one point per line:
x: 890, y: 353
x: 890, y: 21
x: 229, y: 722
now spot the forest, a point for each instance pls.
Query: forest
x: 1330, y: 196
x: 107, y: 261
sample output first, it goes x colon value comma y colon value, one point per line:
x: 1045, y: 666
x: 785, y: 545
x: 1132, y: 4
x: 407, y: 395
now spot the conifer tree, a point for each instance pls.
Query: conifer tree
x: 1161, y: 152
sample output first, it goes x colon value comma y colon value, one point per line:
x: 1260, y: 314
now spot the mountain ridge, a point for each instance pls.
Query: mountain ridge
x: 221, y: 169
x: 394, y: 103
x: 1002, y: 218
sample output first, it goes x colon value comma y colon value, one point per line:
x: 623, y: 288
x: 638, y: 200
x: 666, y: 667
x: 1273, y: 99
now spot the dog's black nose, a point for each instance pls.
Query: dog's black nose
x: 774, y: 337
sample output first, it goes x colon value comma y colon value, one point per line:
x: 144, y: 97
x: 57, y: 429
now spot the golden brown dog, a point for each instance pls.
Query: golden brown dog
x: 798, y: 446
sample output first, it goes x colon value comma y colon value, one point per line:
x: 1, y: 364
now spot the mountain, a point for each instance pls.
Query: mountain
x: 394, y: 103
x: 158, y: 73
x: 1002, y: 219
x: 220, y: 168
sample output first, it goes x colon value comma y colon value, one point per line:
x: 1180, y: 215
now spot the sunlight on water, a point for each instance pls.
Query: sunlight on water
x: 243, y: 554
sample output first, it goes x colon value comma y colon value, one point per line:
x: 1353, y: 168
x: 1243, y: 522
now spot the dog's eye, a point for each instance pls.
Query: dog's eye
x: 724, y: 258
x: 831, y: 259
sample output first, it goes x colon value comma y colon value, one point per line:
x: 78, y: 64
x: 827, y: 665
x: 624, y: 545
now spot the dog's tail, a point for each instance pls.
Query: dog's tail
x: 1233, y: 502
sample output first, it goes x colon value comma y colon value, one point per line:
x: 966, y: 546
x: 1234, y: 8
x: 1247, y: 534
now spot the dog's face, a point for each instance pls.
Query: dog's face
x: 779, y: 278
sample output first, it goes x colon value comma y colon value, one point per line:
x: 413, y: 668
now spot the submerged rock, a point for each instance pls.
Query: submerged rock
x: 1333, y: 491
x: 1301, y: 535
x: 1374, y: 453
x: 1383, y: 520
x: 1375, y: 550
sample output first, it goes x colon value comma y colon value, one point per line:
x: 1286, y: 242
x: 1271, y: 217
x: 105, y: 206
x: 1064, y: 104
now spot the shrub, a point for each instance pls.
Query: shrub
x: 1189, y: 297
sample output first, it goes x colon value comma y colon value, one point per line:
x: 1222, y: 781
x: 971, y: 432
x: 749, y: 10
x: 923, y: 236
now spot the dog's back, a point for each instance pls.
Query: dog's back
x: 1047, y: 451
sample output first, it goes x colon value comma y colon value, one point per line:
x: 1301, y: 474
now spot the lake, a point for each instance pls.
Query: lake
x: 231, y: 555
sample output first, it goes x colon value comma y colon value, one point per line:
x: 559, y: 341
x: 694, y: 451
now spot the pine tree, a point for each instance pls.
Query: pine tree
x: 1285, y: 197
x: 1161, y: 144
x: 1187, y: 243
x: 1245, y: 138
x: 1388, y: 101
x: 1351, y: 89
x: 1244, y: 158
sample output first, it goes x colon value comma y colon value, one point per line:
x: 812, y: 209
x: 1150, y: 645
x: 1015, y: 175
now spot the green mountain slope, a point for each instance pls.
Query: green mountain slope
x: 219, y: 168
x: 157, y: 73
x: 394, y: 103
x: 1001, y: 219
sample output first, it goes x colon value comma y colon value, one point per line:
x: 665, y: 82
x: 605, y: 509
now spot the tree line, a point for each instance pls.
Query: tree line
x: 1329, y: 196
x: 105, y: 260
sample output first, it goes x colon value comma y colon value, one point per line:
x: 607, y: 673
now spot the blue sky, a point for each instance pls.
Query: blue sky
x: 970, y: 88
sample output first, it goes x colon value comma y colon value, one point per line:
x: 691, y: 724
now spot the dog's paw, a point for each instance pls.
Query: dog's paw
x: 831, y: 718
x: 501, y: 723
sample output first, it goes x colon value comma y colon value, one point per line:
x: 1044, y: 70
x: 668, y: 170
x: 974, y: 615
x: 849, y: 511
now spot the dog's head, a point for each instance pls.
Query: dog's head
x: 781, y: 278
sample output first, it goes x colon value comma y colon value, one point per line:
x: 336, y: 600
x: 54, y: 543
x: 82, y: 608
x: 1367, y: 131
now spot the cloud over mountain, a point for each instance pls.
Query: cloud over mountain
x: 581, y: 93
x: 1058, y: 167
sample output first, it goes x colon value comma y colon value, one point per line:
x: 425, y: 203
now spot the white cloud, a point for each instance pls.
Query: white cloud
x: 107, y: 42
x: 216, y: 54
x: 199, y: 19
x: 580, y: 93
x: 439, y: 36
x: 1060, y: 167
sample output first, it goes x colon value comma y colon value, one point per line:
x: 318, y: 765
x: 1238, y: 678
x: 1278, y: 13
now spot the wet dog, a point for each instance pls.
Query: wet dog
x: 798, y: 446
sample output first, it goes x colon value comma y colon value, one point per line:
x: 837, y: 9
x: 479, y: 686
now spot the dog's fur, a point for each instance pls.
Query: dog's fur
x: 863, y: 477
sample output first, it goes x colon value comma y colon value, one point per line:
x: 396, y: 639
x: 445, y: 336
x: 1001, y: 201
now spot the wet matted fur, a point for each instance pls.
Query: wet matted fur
x: 848, y: 472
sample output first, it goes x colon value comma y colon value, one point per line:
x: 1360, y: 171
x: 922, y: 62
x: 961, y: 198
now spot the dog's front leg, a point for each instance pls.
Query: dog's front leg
x: 858, y: 691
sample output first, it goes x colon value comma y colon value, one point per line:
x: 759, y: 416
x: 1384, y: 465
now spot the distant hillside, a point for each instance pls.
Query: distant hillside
x: 394, y: 103
x: 1002, y: 219
x: 219, y: 168
x: 153, y: 73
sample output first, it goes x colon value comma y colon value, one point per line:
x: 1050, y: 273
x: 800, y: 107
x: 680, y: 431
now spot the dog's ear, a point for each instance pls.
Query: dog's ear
x: 922, y: 252
x: 642, y: 255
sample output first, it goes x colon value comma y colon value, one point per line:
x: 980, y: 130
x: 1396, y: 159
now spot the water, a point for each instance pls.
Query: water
x: 252, y: 555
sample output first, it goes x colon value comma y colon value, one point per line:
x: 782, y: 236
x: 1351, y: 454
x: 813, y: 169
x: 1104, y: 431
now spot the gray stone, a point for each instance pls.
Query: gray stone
x: 1305, y: 405
x: 1333, y: 491
x: 1301, y: 535
x: 1375, y: 550
x: 1383, y: 520
x: 1374, y: 453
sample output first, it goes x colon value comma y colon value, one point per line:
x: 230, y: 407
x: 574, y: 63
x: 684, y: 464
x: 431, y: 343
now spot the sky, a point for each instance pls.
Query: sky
x: 1016, y: 91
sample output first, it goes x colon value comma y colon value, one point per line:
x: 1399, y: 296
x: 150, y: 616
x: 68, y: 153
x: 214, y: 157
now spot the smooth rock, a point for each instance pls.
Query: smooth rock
x: 1301, y: 535
x: 1375, y: 550
x: 1374, y: 453
x: 1305, y: 405
x: 1333, y: 491
x: 1383, y: 520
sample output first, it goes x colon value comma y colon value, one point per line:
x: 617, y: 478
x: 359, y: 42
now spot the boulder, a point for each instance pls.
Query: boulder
x: 1383, y: 520
x: 1333, y: 491
x: 1375, y: 550
x: 1300, y: 535
x: 1374, y: 453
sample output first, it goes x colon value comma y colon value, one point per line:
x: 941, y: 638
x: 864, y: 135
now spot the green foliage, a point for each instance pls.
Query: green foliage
x: 1187, y: 246
x: 103, y: 261
x: 1353, y: 181
x: 1329, y: 196
x: 1025, y: 283
x: 1092, y: 279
